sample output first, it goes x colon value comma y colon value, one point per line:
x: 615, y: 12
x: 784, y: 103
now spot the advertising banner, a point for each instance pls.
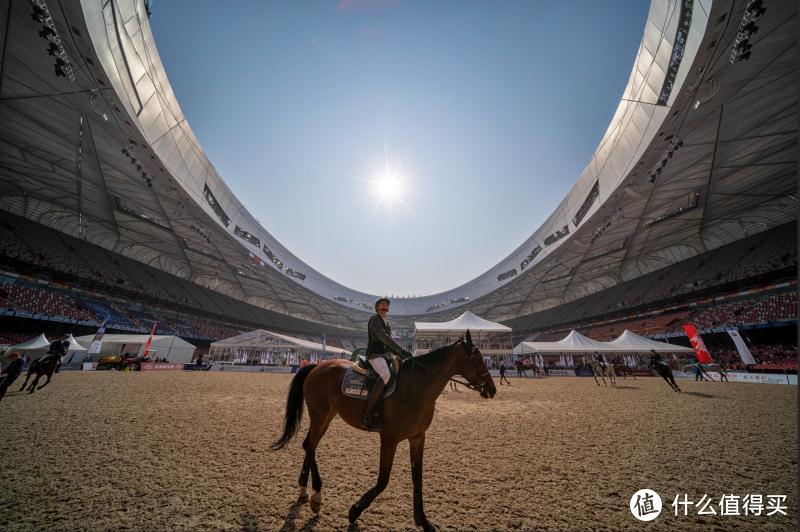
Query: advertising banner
x: 697, y: 343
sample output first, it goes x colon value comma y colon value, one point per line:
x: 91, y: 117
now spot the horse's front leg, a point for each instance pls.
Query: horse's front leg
x: 27, y: 377
x: 388, y: 449
x: 417, y: 446
x: 45, y: 382
x: 32, y: 387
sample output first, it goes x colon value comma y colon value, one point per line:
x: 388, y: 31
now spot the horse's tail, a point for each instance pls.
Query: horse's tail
x: 294, y: 408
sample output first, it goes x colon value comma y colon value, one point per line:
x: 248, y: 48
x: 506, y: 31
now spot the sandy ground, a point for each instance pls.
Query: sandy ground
x: 186, y: 451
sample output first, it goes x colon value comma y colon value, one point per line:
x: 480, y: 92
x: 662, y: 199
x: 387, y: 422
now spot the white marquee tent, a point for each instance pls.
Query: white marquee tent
x: 575, y: 342
x: 629, y: 342
x: 260, y: 347
x: 172, y: 348
x: 493, y: 339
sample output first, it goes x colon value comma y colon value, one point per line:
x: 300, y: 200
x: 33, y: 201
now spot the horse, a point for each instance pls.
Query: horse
x: 521, y: 367
x: 46, y: 366
x: 666, y: 373
x: 407, y: 414
x: 622, y: 369
x: 603, y: 370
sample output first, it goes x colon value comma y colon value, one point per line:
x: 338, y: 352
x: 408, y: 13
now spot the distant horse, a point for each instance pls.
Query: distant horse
x: 622, y: 369
x: 407, y: 414
x: 521, y: 367
x: 665, y: 371
x: 602, y: 370
x: 46, y: 366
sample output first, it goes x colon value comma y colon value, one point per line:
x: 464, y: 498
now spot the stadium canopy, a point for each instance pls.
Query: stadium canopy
x: 268, y: 348
x: 575, y: 342
x: 172, y: 348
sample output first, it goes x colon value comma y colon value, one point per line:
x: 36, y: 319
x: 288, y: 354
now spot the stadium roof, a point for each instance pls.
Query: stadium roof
x: 701, y: 152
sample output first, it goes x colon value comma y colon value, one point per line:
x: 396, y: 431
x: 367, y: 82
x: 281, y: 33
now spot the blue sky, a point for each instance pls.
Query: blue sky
x: 491, y: 108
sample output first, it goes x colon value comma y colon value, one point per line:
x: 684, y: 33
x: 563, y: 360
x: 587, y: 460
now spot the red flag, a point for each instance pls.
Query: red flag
x: 147, y: 345
x: 699, y: 346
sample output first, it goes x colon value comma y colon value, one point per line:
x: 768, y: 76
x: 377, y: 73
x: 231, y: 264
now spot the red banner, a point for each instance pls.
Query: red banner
x: 149, y: 340
x: 699, y: 346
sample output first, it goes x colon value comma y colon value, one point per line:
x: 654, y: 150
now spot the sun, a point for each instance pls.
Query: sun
x: 389, y: 187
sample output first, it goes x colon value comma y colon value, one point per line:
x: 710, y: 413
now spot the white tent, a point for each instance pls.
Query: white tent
x: 574, y: 342
x: 493, y: 339
x: 260, y: 347
x: 468, y: 320
x: 172, y: 348
x: 34, y: 348
x: 629, y: 342
x: 75, y: 352
x: 39, y: 342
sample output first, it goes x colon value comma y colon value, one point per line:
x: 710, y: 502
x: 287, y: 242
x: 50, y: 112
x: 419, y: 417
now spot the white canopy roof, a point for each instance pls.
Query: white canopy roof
x: 468, y: 320
x: 575, y: 342
x: 633, y: 343
x: 74, y: 345
x: 261, y: 337
x: 40, y: 342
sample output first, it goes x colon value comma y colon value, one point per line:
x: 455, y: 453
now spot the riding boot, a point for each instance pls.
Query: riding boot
x: 371, y: 420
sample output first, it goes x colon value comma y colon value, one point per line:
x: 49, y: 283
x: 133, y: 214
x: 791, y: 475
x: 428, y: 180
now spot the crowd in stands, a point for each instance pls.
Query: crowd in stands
x: 34, y: 249
x: 41, y: 301
x: 777, y: 307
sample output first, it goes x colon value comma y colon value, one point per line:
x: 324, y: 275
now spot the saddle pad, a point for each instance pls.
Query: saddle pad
x: 353, y: 385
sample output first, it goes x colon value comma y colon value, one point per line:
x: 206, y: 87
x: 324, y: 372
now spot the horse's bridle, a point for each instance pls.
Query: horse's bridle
x: 478, y: 388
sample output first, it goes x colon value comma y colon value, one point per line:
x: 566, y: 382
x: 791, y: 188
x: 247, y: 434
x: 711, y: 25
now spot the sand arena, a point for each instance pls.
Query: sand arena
x: 189, y: 451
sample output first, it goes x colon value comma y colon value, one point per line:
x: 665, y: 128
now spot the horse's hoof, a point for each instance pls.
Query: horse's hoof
x: 303, y: 496
x: 316, y: 501
x: 353, y: 514
x: 426, y: 525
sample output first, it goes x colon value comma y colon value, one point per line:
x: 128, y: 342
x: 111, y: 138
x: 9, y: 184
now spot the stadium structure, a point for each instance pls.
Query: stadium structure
x: 111, y: 209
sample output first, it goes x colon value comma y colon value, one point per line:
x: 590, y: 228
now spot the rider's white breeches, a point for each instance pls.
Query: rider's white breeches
x: 381, y: 368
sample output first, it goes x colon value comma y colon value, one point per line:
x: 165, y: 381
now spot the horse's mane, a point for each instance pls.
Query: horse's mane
x: 436, y: 353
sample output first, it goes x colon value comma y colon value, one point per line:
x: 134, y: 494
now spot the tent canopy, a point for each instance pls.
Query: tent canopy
x: 262, y: 338
x: 466, y: 321
x: 40, y: 342
x: 173, y: 348
x: 633, y: 343
x: 575, y: 342
x: 74, y: 345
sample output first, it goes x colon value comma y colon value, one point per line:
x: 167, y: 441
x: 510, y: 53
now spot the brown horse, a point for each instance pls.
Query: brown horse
x: 44, y: 366
x: 407, y: 414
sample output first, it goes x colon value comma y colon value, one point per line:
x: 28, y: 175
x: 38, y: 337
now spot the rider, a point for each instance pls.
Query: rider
x: 597, y: 358
x: 58, y: 348
x: 379, y: 346
x: 655, y: 358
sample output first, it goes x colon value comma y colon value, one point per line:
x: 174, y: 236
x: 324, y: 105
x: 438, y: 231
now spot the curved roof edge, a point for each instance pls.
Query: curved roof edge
x: 121, y: 35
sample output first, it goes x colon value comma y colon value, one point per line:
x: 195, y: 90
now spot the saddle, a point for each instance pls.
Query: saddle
x: 359, y: 378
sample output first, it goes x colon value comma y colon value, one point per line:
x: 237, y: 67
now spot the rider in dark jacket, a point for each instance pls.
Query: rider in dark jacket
x: 379, y: 346
x: 10, y: 373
